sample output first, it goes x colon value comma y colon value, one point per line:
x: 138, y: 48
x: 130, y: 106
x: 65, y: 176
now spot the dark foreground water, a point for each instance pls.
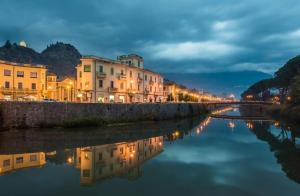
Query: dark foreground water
x: 184, y: 157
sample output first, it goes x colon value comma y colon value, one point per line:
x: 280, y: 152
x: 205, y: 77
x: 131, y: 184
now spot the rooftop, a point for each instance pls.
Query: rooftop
x: 23, y: 64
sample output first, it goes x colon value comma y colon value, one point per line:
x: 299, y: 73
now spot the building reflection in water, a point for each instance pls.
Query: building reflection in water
x: 111, y: 160
x: 95, y: 163
x: 14, y: 162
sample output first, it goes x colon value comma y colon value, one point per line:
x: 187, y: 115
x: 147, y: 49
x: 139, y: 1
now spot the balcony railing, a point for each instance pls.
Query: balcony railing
x: 146, y: 92
x: 17, y: 90
x: 122, y: 76
x: 101, y: 75
x: 139, y: 80
x: 112, y: 89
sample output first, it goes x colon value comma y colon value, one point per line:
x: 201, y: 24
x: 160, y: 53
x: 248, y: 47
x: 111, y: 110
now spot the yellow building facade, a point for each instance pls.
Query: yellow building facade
x: 22, y: 81
x: 124, y: 80
x: 13, y: 162
x: 61, y: 89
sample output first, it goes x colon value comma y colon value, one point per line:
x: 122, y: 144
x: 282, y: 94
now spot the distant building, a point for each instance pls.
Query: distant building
x: 23, y: 43
x: 61, y: 89
x: 22, y: 81
x: 101, y: 80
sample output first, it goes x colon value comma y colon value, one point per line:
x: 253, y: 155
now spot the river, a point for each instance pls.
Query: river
x: 195, y: 156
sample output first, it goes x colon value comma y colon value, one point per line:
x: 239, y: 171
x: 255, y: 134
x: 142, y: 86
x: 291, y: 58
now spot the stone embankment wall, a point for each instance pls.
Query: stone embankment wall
x: 41, y: 114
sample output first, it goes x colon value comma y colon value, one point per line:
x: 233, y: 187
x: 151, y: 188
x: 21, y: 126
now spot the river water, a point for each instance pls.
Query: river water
x: 196, y: 156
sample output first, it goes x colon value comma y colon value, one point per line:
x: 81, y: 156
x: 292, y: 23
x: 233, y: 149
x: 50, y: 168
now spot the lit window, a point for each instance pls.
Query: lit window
x: 19, y: 160
x: 33, y: 158
x: 33, y: 74
x: 20, y: 74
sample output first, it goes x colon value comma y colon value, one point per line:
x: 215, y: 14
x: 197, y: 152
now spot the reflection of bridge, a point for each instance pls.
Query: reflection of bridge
x: 241, y: 103
x: 248, y: 118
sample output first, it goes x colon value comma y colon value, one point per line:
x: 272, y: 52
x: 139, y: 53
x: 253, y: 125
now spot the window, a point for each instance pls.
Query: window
x: 100, y: 156
x: 6, y: 85
x: 7, y: 72
x: 112, y: 71
x: 100, y: 68
x: 33, y: 86
x: 122, y: 72
x: 111, y: 84
x: 139, y: 75
x: 146, y: 77
x: 19, y: 160
x: 138, y: 87
x: 20, y: 74
x: 100, y: 83
x: 130, y: 73
x: 33, y: 158
x: 121, y: 150
x: 111, y: 153
x: 33, y: 74
x: 86, y: 173
x: 139, y: 64
x: 6, y: 163
x: 80, y: 74
x: 131, y: 86
x: 20, y: 85
x: 87, y: 68
x: 122, y: 86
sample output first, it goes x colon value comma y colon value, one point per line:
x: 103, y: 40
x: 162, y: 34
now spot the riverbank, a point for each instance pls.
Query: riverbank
x: 40, y: 114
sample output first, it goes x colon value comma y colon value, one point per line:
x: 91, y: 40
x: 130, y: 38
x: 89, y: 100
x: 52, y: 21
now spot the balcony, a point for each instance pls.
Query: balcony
x: 101, y: 75
x: 139, y: 80
x: 146, y: 92
x: 19, y: 91
x: 122, y: 76
x: 151, y: 82
x: 112, y: 90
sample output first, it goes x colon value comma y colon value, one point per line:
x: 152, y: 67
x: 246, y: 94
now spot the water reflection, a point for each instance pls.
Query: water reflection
x: 95, y: 163
x: 283, y: 143
x: 15, y: 162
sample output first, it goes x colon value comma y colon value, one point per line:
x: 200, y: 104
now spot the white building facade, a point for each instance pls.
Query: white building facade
x: 101, y: 80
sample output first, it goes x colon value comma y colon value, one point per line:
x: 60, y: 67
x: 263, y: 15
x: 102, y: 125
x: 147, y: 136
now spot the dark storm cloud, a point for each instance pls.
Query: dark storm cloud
x: 173, y: 36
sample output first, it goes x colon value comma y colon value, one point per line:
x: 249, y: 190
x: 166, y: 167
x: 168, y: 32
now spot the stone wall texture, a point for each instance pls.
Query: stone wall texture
x: 41, y: 114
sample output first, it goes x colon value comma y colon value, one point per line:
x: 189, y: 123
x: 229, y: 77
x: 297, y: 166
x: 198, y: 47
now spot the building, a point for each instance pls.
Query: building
x: 22, y: 81
x: 124, y: 80
x: 61, y: 89
x: 124, y: 159
x: 13, y: 162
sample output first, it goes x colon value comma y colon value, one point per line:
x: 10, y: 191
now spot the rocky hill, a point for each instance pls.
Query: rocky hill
x: 60, y: 58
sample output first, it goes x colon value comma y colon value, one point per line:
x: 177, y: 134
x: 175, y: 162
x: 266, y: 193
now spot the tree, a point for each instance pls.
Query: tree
x: 295, y: 90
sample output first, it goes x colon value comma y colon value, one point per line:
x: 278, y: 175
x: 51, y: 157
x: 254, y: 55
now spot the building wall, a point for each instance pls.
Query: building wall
x: 130, y: 84
x: 20, y: 88
x: 63, y: 90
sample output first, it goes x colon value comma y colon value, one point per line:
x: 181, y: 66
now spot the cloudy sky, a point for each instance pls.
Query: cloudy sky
x: 172, y: 35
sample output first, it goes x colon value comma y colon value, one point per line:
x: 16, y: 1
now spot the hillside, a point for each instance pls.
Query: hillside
x: 218, y: 83
x: 60, y: 58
